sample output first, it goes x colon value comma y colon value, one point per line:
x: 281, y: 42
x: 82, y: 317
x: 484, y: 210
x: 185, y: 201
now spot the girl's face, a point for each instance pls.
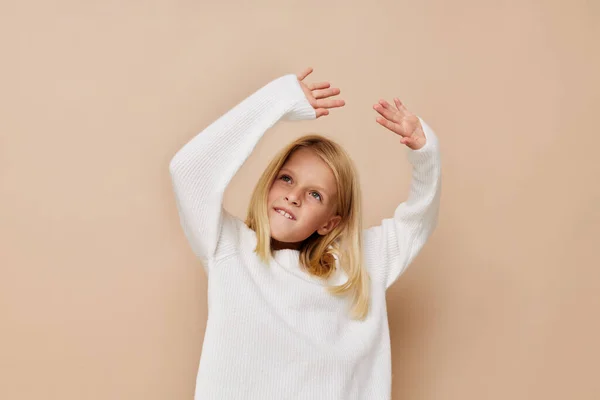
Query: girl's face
x: 304, y: 189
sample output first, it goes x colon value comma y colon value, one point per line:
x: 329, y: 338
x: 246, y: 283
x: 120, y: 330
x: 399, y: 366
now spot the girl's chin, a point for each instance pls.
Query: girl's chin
x: 280, y: 238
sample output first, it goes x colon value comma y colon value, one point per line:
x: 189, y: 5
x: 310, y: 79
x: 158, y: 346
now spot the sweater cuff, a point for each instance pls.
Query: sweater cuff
x: 301, y: 109
x: 427, y: 153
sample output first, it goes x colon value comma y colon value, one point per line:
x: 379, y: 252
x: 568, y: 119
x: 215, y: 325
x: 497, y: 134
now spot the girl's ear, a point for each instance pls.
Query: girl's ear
x: 328, y: 227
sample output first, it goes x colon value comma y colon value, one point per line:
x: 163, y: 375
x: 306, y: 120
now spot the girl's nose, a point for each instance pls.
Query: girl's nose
x: 292, y: 197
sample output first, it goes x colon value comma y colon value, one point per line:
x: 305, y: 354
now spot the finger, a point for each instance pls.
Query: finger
x: 391, y: 126
x: 401, y: 110
x: 321, y: 112
x: 400, y: 105
x: 321, y: 94
x: 305, y: 73
x: 387, y: 105
x: 321, y: 103
x: 412, y: 142
x: 388, y: 114
x: 320, y: 85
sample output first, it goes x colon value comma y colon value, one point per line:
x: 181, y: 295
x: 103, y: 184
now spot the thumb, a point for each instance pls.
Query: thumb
x: 408, y: 141
x: 321, y: 112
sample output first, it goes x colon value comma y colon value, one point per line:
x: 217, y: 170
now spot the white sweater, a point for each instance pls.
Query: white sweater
x: 273, y: 331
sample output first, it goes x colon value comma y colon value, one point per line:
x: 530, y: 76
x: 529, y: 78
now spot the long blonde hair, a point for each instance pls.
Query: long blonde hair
x: 317, y: 252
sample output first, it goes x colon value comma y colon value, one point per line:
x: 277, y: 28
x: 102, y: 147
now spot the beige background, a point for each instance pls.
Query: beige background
x: 100, y: 295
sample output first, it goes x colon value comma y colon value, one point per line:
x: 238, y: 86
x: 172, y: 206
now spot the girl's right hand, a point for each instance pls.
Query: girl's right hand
x: 318, y: 94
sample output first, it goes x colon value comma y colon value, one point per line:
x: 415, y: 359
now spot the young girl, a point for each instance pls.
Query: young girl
x: 296, y: 293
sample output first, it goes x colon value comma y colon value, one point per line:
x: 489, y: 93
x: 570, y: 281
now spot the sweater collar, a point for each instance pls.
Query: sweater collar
x: 289, y: 259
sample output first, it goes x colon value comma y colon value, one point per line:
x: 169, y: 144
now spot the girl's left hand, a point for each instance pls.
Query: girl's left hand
x: 318, y: 94
x: 402, y: 122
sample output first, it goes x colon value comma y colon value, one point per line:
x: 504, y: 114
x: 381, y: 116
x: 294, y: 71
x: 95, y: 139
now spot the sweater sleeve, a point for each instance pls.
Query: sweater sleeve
x: 391, y: 246
x: 202, y: 168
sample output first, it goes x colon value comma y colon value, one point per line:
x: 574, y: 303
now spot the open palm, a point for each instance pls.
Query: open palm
x: 318, y: 94
x: 402, y: 122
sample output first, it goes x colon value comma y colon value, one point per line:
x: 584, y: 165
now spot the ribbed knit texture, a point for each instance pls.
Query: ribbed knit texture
x: 273, y: 331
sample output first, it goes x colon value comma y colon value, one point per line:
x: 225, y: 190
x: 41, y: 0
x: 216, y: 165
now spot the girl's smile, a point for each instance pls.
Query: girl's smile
x: 285, y: 212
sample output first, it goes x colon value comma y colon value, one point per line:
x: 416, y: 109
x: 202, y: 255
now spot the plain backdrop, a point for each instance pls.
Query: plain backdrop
x: 100, y: 294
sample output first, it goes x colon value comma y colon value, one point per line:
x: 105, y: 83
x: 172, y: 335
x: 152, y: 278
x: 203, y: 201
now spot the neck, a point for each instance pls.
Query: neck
x: 277, y: 245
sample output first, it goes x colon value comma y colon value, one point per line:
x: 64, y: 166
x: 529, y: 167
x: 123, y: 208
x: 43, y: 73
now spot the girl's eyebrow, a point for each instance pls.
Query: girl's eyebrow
x: 315, y: 186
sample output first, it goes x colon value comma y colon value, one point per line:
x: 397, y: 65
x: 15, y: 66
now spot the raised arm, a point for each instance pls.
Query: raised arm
x: 391, y: 246
x: 202, y: 168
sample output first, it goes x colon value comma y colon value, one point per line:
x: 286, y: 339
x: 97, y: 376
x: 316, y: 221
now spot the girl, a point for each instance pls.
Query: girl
x: 296, y: 293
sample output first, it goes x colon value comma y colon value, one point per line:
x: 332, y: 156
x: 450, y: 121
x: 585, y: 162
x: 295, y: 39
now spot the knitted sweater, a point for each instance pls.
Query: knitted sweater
x: 273, y: 331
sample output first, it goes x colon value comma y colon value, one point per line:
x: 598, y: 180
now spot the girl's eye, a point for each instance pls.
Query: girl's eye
x: 287, y: 179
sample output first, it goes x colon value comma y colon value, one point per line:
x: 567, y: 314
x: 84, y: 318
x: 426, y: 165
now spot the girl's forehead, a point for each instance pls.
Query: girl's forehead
x: 305, y: 156
x: 307, y: 161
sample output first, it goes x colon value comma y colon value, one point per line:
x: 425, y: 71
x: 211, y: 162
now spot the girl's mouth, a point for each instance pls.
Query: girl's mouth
x: 284, y: 214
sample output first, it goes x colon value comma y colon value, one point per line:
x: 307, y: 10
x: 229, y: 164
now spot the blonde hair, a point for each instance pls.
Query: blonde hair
x: 344, y: 241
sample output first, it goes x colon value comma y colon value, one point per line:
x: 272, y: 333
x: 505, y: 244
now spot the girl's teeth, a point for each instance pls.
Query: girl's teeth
x: 284, y: 214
